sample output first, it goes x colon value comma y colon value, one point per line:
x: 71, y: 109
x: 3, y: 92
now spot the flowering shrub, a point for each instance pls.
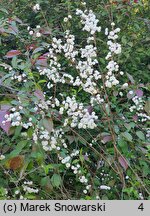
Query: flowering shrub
x: 75, y: 125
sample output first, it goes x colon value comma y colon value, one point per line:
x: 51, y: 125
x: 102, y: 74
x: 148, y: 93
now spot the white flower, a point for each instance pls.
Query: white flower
x: 121, y: 73
x: 85, y: 191
x: 127, y: 177
x: 2, y: 157
x: 38, y: 34
x: 68, y: 165
x: 31, y: 32
x: 131, y: 92
x: 106, y: 31
x: 17, y: 192
x: 66, y: 19
x: 104, y: 187
x: 121, y: 94
x: 69, y: 16
x: 61, y: 110
x: 36, y: 8
x: 112, y: 24
x: 125, y: 85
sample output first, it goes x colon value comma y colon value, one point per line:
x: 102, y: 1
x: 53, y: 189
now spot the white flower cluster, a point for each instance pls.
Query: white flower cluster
x: 66, y: 19
x: 83, y: 179
x: 141, y: 196
x: 28, y: 189
x: 148, y: 133
x: 90, y: 39
x: 112, y: 66
x: 144, y: 117
x: 138, y: 101
x: 15, y: 119
x: 86, y: 69
x: 97, y: 99
x: 36, y: 32
x: 138, y: 107
x: 75, y: 168
x: 78, y: 115
x: 41, y: 105
x: 20, y: 77
x: 68, y: 47
x: 54, y: 72
x: 28, y: 124
x: 88, y: 19
x: 111, y: 81
x: 50, y: 141
x: 36, y: 8
x: 114, y: 48
x: 88, y: 75
x: 87, y: 189
x: 67, y: 159
x: 88, y: 52
x: 56, y: 46
x: 104, y: 187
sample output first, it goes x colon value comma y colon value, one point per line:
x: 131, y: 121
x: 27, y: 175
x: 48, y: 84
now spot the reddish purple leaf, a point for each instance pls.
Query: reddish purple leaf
x: 18, y: 20
x: 46, y: 54
x: 86, y: 157
x: 46, y: 31
x: 42, y: 60
x: 90, y: 109
x: 130, y: 95
x: 5, y: 107
x: 135, y: 117
x: 139, y: 93
x: 39, y: 94
x: 13, y: 53
x: 7, y: 125
x: 123, y: 162
x: 130, y: 78
x: 2, y: 30
x: 106, y: 139
x: 141, y: 85
x: 14, y: 29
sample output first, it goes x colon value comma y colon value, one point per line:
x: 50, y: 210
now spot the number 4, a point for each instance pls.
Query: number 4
x: 141, y: 207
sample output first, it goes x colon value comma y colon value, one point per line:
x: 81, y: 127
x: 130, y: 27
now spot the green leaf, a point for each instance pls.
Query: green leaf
x: 17, y: 132
x: 4, y: 10
x: 123, y: 145
x: 42, y: 81
x: 18, y: 148
x: 47, y: 123
x: 51, y: 167
x: 147, y: 107
x: 127, y: 136
x: 140, y: 135
x: 45, y: 181
x: 56, y: 180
